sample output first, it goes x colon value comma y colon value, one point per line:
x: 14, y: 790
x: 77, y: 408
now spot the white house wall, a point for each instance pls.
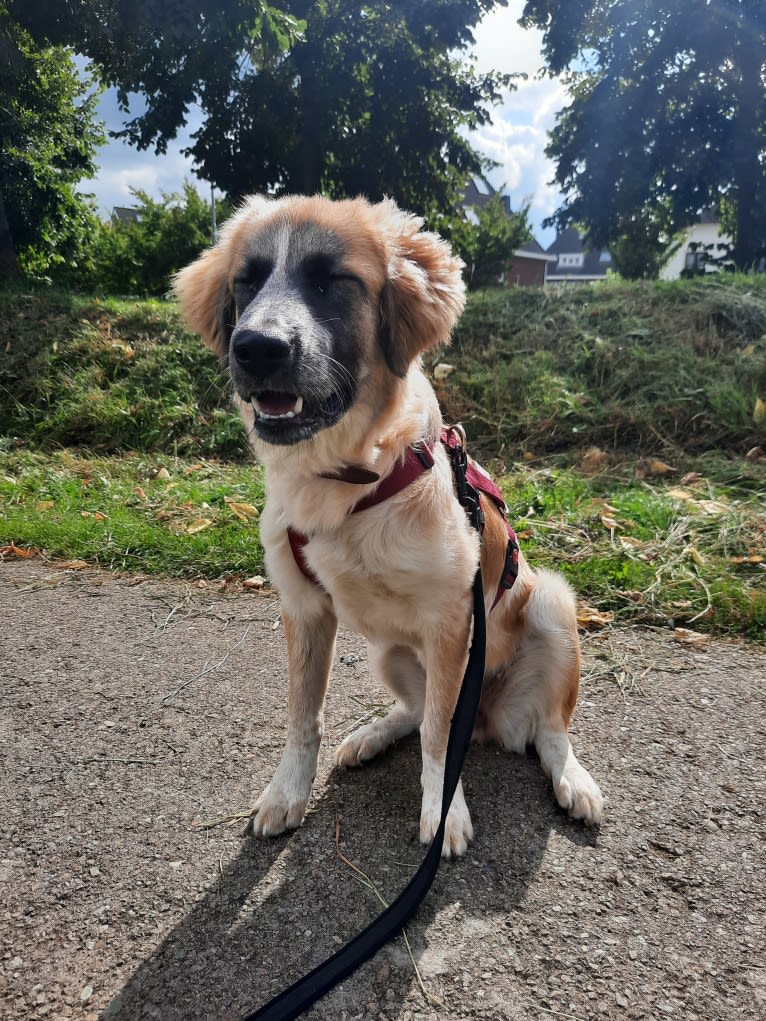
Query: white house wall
x: 703, y: 234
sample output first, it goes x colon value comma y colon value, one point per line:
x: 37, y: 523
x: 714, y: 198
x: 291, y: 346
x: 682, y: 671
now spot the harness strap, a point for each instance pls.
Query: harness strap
x: 471, y: 480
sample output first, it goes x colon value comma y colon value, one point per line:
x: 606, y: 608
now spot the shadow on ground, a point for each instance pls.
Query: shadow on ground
x: 279, y: 909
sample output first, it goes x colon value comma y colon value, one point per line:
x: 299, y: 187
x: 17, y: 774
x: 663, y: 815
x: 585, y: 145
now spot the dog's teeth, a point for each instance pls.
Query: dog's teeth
x: 296, y: 410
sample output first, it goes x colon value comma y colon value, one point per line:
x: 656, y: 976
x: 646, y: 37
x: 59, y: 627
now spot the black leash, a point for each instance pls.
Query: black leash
x: 306, y: 991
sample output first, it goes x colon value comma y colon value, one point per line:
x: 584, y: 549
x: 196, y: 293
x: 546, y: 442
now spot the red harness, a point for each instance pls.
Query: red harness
x: 418, y: 459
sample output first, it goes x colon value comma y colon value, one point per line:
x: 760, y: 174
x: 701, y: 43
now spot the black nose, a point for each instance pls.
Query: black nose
x: 259, y: 353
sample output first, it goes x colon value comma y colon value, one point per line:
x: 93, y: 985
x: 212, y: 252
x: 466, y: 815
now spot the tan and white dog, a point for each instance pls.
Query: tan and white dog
x: 322, y: 310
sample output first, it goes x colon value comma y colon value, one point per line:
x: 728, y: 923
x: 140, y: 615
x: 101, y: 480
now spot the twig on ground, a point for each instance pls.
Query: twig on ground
x: 365, y: 880
x: 207, y: 669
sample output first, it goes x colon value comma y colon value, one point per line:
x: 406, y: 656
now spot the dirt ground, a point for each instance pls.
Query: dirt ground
x: 133, y: 710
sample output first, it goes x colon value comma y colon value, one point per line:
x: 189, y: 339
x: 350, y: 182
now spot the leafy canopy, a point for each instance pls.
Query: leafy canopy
x: 667, y: 113
x: 48, y: 141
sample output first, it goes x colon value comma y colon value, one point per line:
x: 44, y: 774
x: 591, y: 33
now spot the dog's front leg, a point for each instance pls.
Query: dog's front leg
x: 446, y: 658
x: 310, y: 651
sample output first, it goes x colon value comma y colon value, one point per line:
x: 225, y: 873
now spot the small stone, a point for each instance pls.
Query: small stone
x: 86, y: 994
x: 15, y: 964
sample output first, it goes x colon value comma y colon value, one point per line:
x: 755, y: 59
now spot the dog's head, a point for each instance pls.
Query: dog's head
x: 309, y: 299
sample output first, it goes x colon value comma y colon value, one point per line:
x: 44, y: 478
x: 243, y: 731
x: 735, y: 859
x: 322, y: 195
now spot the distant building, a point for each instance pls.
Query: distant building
x: 529, y: 267
x: 125, y: 214
x: 691, y: 254
x: 573, y: 263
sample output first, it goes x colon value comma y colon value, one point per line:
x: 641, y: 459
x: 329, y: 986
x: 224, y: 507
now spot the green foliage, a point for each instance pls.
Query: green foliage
x: 646, y: 367
x: 486, y: 246
x: 371, y: 99
x: 48, y: 141
x: 110, y: 376
x: 172, y: 52
x: 666, y: 117
x: 139, y: 257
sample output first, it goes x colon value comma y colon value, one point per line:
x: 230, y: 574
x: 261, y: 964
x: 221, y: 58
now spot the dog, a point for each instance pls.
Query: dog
x: 322, y: 310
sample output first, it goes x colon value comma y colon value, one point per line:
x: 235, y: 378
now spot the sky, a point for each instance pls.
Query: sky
x: 516, y: 137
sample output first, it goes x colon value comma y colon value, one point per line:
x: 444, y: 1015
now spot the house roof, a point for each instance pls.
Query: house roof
x: 594, y: 264
x: 126, y: 214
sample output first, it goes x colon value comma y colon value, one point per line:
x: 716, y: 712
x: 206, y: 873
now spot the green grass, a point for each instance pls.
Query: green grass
x: 650, y: 550
x: 166, y: 516
x: 117, y: 442
x: 667, y: 560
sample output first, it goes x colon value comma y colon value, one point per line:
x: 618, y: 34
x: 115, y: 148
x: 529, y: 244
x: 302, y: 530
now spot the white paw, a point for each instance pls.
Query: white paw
x: 278, y: 809
x: 458, y: 831
x: 361, y: 746
x: 580, y: 795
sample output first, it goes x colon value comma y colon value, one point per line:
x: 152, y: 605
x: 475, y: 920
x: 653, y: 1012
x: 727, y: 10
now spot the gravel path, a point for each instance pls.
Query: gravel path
x: 134, y: 710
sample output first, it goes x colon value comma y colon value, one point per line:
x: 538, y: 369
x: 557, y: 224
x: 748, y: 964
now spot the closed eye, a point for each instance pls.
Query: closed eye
x: 318, y: 272
x: 254, y: 275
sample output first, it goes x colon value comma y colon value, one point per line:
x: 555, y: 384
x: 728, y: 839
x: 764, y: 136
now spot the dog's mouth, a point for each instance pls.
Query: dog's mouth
x: 284, y: 417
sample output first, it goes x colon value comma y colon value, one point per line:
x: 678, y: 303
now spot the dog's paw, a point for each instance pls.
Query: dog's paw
x: 458, y: 831
x: 364, y: 744
x: 277, y: 810
x: 580, y: 795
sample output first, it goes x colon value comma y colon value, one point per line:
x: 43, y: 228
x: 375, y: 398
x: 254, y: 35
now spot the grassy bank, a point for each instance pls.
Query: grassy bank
x: 648, y: 367
x: 618, y: 417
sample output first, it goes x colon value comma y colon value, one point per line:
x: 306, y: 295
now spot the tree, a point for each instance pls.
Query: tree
x: 667, y: 113
x: 487, y: 240
x: 341, y: 96
x: 370, y: 100
x: 139, y: 256
x: 168, y: 51
x: 48, y: 140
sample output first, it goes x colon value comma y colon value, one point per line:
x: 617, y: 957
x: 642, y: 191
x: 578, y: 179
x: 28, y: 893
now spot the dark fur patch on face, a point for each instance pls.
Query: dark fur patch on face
x: 302, y: 316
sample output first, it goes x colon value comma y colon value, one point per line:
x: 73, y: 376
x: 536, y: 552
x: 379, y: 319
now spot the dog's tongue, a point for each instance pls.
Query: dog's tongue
x: 273, y: 403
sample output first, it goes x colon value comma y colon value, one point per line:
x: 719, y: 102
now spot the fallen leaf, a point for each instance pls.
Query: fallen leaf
x: 746, y: 560
x: 44, y: 504
x: 746, y: 352
x: 695, y: 555
x: 14, y: 552
x: 244, y: 511
x: 192, y: 468
x: 528, y: 456
x: 139, y: 492
x: 162, y: 473
x: 680, y: 494
x: 687, y: 637
x: 690, y: 478
x: 754, y: 454
x: 609, y: 522
x: 256, y: 582
x: 682, y: 604
x: 759, y: 412
x: 630, y: 542
x: 198, y: 525
x: 443, y: 370
x: 526, y: 534
x: 75, y: 565
x: 659, y: 467
x: 593, y: 460
x: 711, y: 506
x: 631, y: 594
x: 590, y: 618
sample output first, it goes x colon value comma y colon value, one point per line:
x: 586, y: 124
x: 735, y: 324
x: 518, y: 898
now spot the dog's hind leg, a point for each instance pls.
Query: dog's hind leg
x: 399, y: 669
x: 540, y: 694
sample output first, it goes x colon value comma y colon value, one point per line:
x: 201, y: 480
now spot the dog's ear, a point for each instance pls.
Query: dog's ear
x: 424, y: 293
x: 202, y: 288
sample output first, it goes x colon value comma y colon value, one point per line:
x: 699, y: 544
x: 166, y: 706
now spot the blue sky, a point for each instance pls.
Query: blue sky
x: 516, y: 137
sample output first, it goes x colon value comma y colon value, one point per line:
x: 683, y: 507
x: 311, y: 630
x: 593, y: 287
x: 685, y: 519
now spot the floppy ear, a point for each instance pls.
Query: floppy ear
x: 202, y: 289
x: 424, y: 293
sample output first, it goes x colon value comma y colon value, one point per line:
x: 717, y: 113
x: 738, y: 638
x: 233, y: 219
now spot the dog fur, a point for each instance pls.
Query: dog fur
x: 334, y: 303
